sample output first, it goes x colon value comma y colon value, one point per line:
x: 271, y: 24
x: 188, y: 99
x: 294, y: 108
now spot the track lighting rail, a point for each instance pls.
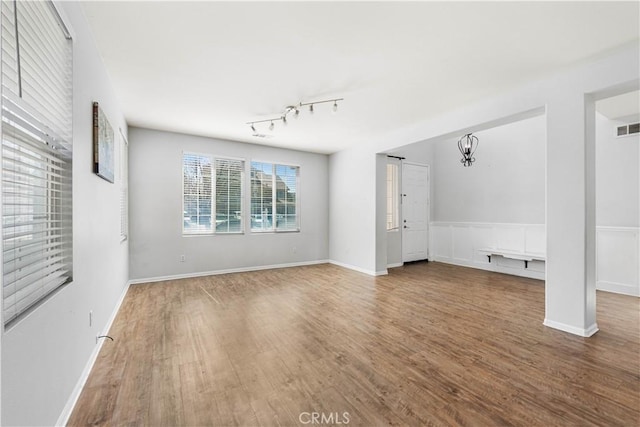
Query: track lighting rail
x: 295, y: 109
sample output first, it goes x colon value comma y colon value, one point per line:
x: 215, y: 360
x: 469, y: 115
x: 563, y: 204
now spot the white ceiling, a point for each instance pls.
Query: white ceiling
x: 206, y: 68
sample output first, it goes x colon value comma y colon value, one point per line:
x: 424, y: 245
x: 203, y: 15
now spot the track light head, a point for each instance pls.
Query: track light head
x: 311, y: 108
x: 284, y: 119
x: 253, y: 128
x: 271, y: 126
x: 296, y: 113
x: 335, y: 106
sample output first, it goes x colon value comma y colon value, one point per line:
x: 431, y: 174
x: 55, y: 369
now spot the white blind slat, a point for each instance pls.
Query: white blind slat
x: 36, y: 155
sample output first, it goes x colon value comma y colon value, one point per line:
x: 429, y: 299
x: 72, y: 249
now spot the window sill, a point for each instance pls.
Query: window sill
x: 237, y: 233
x: 274, y: 231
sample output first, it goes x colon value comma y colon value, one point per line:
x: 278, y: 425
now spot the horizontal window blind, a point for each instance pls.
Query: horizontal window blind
x: 36, y: 155
x: 229, y: 181
x: 212, y: 194
x: 286, y: 197
x: 393, y: 205
x: 274, y: 197
x: 197, y: 195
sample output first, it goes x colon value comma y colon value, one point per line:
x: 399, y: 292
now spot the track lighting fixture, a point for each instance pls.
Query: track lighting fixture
x: 468, y: 144
x: 295, y: 109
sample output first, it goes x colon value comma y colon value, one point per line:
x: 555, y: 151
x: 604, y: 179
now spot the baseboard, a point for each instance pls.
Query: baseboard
x: 572, y: 329
x: 531, y: 274
x: 73, y: 399
x: 618, y: 288
x: 227, y: 271
x: 396, y: 264
x: 359, y: 269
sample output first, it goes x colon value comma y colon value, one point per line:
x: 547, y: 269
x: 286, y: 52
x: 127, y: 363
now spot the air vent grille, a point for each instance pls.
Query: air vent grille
x: 626, y: 130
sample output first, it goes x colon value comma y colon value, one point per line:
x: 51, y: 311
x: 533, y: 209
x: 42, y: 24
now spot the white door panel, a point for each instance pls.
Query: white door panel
x: 415, y: 212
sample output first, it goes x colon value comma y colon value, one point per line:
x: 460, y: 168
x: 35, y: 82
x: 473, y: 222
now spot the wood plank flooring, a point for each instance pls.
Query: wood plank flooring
x: 429, y: 344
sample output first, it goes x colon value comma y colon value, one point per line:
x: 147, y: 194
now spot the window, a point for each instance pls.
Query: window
x: 124, y: 188
x: 36, y: 155
x: 392, y: 197
x: 274, y: 197
x: 209, y: 183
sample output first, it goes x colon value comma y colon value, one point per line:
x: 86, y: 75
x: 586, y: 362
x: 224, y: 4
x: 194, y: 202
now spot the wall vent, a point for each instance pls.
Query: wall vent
x: 626, y: 130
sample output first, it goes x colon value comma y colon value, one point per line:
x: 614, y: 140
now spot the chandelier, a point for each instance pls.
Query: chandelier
x: 468, y: 144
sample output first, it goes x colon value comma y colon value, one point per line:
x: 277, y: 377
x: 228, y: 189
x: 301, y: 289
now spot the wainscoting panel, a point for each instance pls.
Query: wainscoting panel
x: 617, y: 257
x: 618, y: 260
x: 459, y: 243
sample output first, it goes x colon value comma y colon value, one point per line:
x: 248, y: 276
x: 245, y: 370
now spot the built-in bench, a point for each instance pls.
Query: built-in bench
x: 522, y: 256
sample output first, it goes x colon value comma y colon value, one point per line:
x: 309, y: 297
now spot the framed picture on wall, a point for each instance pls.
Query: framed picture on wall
x: 103, y: 145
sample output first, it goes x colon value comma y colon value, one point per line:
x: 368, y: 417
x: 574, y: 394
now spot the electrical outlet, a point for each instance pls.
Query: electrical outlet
x: 294, y: 249
x: 182, y: 258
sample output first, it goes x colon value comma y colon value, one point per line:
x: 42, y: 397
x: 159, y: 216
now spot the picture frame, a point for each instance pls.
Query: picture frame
x: 103, y: 145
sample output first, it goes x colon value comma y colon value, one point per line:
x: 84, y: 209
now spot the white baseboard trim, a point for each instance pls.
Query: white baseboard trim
x: 73, y: 399
x: 227, y: 271
x: 359, y: 269
x: 394, y: 265
x: 618, y: 288
x: 572, y: 329
x: 531, y: 274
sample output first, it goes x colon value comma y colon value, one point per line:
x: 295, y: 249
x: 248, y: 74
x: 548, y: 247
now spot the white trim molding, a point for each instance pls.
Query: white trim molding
x: 227, y: 271
x: 572, y: 329
x: 75, y: 394
x: 618, y: 260
x: 359, y: 269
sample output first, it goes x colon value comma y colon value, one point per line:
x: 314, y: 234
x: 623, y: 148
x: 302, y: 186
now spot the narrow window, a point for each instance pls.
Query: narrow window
x: 392, y: 197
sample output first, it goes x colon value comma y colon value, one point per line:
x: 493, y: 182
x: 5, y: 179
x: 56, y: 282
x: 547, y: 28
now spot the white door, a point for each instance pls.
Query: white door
x: 415, y: 212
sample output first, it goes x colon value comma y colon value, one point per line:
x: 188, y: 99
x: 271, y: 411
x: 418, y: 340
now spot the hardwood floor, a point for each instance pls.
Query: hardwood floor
x: 429, y: 344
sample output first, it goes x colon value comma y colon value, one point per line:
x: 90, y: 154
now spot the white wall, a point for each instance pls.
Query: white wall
x: 569, y: 188
x: 617, y: 208
x: 504, y: 185
x: 44, y: 355
x: 617, y: 177
x: 157, y: 243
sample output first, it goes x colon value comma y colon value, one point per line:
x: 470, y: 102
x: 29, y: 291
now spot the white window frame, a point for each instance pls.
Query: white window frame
x: 213, y: 232
x: 393, y: 196
x: 273, y: 228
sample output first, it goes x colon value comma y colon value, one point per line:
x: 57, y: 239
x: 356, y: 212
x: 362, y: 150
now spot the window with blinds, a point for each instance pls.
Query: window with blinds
x: 212, y: 194
x: 274, y: 197
x: 36, y: 155
x: 393, y: 205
